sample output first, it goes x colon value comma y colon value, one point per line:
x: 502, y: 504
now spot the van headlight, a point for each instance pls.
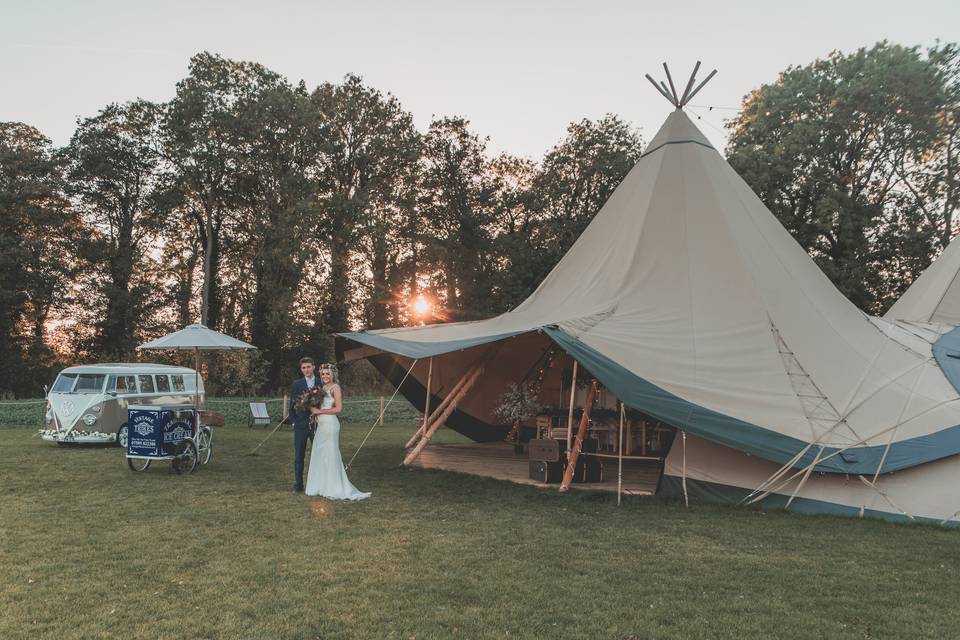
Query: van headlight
x: 89, y: 419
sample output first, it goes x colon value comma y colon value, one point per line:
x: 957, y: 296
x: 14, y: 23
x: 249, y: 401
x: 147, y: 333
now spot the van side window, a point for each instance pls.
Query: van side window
x: 89, y: 383
x: 125, y: 384
x: 163, y: 384
x: 178, y: 383
x: 146, y: 384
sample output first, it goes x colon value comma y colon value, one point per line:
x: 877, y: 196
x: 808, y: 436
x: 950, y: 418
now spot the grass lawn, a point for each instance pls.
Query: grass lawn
x: 89, y: 549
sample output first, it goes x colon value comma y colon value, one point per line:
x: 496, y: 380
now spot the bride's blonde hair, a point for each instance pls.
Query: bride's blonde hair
x: 332, y: 368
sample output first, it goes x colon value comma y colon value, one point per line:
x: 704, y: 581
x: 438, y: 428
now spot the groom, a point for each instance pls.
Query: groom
x: 301, y: 421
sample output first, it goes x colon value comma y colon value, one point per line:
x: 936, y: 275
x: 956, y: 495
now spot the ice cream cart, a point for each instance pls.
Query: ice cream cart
x: 166, y: 433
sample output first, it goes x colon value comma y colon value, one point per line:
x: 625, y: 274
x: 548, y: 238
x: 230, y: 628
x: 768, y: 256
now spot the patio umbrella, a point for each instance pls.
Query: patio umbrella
x: 197, y: 337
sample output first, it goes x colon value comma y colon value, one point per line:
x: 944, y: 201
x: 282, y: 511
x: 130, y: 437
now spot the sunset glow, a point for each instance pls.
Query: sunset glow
x: 421, y: 306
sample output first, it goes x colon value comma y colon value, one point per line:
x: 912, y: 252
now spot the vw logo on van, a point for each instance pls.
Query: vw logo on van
x: 67, y: 408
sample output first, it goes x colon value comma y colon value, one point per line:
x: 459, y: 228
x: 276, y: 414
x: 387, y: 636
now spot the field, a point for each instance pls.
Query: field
x: 91, y: 549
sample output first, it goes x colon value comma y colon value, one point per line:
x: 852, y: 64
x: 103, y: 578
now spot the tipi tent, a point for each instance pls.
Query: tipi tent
x: 934, y: 297
x: 689, y: 301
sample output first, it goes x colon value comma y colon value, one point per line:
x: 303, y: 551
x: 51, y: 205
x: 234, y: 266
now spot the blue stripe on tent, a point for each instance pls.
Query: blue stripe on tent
x: 716, y: 493
x: 749, y: 438
x: 412, y: 349
x: 946, y: 351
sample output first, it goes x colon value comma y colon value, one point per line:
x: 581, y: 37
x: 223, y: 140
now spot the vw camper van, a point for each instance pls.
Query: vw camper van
x: 88, y: 403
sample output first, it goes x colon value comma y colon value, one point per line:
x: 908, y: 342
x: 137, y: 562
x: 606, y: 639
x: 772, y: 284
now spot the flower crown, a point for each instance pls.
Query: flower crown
x: 332, y: 368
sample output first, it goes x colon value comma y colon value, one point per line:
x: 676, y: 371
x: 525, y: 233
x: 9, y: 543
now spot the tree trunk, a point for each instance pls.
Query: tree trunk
x: 453, y: 305
x: 381, y: 290
x: 210, y: 314
x: 336, y: 315
x: 185, y: 288
x: 116, y: 340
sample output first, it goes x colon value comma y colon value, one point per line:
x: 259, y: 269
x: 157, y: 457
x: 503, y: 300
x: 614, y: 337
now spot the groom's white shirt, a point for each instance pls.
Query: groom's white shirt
x: 311, y: 382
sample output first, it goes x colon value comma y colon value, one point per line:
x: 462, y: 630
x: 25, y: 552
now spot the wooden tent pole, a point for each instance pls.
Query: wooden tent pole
x: 443, y: 416
x: 657, y: 87
x: 673, y: 90
x: 578, y: 443
x: 700, y: 86
x: 426, y: 402
x: 436, y: 412
x: 693, y: 78
x: 573, y: 398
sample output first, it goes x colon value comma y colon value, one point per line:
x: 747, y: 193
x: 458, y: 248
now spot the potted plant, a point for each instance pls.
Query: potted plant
x: 517, y: 404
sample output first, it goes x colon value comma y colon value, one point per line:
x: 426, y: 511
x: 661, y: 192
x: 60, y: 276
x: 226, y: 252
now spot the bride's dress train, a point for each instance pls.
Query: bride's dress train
x: 326, y: 476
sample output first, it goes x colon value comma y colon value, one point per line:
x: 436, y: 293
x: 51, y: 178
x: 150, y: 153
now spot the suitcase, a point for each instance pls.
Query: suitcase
x: 548, y: 461
x: 588, y: 470
x: 545, y: 471
x: 546, y: 449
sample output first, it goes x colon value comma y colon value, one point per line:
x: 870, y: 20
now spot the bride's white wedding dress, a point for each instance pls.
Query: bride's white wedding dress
x: 326, y: 476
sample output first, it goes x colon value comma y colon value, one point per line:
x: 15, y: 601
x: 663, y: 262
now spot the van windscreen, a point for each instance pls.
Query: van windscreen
x: 64, y: 383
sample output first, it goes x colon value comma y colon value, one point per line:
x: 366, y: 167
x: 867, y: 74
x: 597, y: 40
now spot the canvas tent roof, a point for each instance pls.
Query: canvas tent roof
x: 689, y: 301
x: 935, y: 295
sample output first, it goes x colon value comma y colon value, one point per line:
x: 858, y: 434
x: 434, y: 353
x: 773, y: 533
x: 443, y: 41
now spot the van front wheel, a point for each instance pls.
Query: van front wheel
x: 122, y: 436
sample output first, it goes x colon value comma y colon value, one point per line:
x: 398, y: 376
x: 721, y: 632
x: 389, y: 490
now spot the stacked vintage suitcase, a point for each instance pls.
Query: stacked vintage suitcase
x: 548, y: 459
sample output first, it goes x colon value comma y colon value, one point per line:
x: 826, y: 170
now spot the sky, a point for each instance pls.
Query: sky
x: 519, y: 70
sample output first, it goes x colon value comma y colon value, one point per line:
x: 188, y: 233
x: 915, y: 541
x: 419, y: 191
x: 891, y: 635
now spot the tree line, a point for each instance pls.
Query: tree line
x: 280, y: 213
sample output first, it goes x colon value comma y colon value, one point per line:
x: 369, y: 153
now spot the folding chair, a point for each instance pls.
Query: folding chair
x: 258, y: 414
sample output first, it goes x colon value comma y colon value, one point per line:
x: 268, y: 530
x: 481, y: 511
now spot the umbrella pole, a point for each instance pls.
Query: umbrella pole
x: 196, y: 378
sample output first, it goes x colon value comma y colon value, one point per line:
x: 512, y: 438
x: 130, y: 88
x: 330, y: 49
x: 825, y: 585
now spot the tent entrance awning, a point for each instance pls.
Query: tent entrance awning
x: 358, y: 345
x: 642, y: 395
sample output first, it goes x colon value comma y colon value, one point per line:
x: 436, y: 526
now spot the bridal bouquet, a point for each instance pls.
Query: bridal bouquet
x: 311, y: 398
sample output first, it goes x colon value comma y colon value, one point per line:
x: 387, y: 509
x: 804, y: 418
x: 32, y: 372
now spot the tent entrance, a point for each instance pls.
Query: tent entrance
x: 501, y: 447
x: 623, y: 442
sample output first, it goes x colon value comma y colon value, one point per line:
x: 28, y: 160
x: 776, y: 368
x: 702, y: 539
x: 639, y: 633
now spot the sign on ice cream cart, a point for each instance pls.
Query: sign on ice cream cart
x: 161, y: 433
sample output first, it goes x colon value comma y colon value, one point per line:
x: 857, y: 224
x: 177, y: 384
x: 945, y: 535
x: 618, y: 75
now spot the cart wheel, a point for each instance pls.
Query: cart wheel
x: 122, y: 436
x: 186, y: 457
x: 138, y: 464
x: 205, y: 444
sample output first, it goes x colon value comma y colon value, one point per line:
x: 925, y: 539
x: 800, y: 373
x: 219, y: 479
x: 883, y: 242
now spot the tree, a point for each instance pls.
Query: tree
x: 456, y: 203
x: 368, y: 151
x: 930, y: 194
x: 575, y: 179
x: 282, y: 136
x: 825, y: 148
x: 113, y: 162
x: 38, y: 231
x: 518, y: 268
x: 202, y: 141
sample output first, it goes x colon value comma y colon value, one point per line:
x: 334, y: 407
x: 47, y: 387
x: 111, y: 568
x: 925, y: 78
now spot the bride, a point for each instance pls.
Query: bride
x: 327, y: 476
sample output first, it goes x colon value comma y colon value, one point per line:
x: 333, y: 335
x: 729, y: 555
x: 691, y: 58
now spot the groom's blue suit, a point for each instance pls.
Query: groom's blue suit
x: 301, y: 429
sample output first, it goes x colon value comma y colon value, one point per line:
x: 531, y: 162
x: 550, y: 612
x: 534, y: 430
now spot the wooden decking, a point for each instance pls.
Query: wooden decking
x: 497, y: 460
